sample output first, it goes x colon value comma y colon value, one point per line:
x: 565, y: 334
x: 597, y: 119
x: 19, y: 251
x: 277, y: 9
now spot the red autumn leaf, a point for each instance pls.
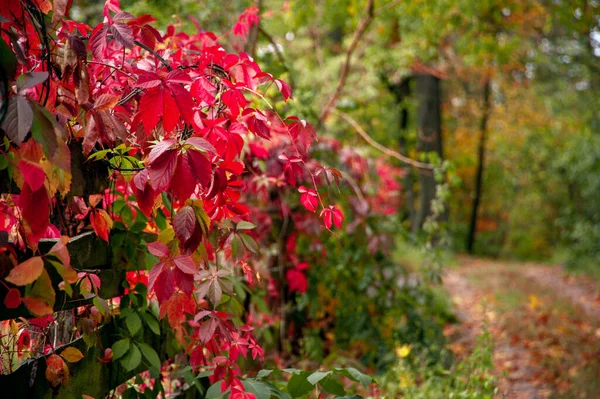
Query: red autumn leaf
x: 151, y: 108
x: 158, y: 249
x: 57, y: 371
x: 105, y: 102
x: 302, y: 132
x: 187, y: 229
x: 161, y: 170
x: 26, y: 272
x: 200, y: 167
x: 284, y: 88
x: 332, y: 216
x: 33, y: 174
x: 183, y: 183
x: 164, y: 285
x: 309, y: 198
x: 177, y: 307
x: 297, y: 281
x: 13, y: 298
x: 186, y: 264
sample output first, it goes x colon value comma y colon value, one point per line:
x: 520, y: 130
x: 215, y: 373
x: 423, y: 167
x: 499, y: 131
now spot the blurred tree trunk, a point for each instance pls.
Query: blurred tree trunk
x: 483, y: 128
x: 429, y: 129
x: 401, y: 91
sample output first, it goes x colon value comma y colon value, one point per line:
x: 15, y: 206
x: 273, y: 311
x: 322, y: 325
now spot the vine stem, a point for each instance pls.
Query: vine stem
x: 154, y: 53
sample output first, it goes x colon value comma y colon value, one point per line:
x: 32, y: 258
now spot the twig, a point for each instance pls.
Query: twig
x: 154, y: 53
x: 362, y: 27
x: 387, y: 151
x: 278, y: 53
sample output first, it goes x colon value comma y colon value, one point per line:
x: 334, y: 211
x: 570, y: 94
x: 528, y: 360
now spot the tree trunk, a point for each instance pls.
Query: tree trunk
x: 429, y: 128
x: 483, y: 127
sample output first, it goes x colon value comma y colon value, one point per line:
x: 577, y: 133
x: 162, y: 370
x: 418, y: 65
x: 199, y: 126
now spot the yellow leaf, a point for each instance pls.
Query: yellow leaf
x: 26, y: 272
x: 534, y: 302
x: 403, y: 351
x: 72, y: 355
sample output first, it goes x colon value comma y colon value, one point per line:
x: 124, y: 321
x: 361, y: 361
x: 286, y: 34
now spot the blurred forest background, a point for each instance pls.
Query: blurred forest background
x: 516, y: 84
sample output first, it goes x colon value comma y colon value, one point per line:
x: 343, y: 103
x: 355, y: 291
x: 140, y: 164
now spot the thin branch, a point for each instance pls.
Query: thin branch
x: 154, y: 53
x: 388, y: 5
x: 113, y: 67
x: 387, y: 151
x: 362, y: 27
x: 278, y: 54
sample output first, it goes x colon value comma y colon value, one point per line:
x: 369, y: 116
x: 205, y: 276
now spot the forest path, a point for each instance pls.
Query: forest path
x: 545, y: 324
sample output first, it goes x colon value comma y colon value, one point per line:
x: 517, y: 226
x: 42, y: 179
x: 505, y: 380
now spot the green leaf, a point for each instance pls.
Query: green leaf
x: 134, y: 323
x: 355, y: 375
x: 349, y: 397
x: 119, y: 348
x: 330, y: 385
x: 263, y: 373
x: 214, y: 391
x: 317, y: 376
x: 298, y: 385
x: 249, y: 243
x: 258, y: 388
x: 132, y: 359
x: 150, y: 355
x: 243, y: 225
x: 152, y: 322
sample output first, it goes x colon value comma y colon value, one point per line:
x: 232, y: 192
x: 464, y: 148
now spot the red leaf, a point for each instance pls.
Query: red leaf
x: 159, y: 149
x: 184, y: 281
x: 151, y: 107
x: 297, y: 281
x: 186, y: 264
x: 164, y: 285
x: 284, y: 88
x: 184, y: 182
x: 158, y: 249
x: 57, y: 371
x: 123, y: 34
x: 148, y: 80
x: 35, y: 210
x: 303, y: 133
x: 33, y: 174
x: 200, y: 167
x: 170, y: 113
x: 13, y: 298
x: 309, y: 198
x: 161, y: 170
x: 97, y: 42
x: 184, y: 224
x: 105, y: 102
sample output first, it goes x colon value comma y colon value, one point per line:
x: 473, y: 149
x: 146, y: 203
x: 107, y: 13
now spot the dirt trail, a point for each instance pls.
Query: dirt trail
x: 506, y: 297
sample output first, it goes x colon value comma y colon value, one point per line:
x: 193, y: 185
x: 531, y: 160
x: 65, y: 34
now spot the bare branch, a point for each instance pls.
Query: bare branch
x: 278, y: 54
x: 362, y: 27
x: 387, y: 151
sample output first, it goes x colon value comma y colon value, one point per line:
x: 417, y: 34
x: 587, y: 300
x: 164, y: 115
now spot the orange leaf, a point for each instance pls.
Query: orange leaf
x: 72, y: 355
x: 101, y: 222
x: 57, y: 371
x: 26, y: 272
x: 37, y: 306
